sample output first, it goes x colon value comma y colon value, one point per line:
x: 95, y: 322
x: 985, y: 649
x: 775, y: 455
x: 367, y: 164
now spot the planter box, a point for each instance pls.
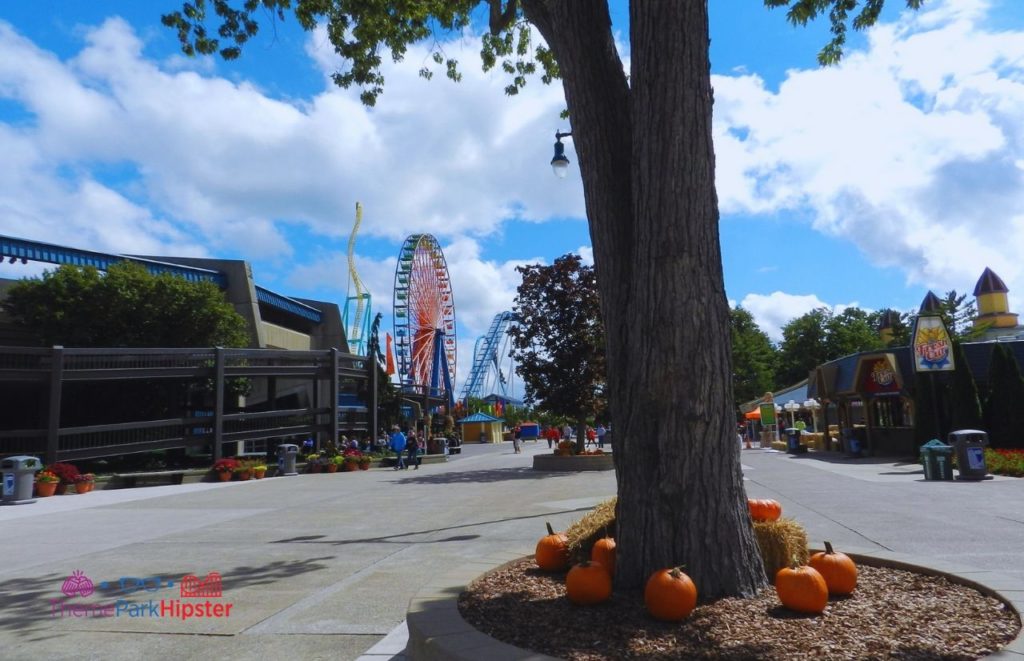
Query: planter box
x: 582, y: 462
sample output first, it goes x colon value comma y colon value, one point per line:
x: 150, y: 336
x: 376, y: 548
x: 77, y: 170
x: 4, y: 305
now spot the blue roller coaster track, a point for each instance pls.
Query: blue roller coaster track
x: 485, y: 357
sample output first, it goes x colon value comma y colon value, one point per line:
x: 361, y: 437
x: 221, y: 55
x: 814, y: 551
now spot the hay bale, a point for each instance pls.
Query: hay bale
x: 782, y: 543
x: 591, y: 528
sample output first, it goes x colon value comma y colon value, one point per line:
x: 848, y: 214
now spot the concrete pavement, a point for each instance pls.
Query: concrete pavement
x: 324, y: 566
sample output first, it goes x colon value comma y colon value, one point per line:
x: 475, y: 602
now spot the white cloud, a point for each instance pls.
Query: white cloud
x: 223, y: 162
x: 908, y: 149
x: 773, y: 311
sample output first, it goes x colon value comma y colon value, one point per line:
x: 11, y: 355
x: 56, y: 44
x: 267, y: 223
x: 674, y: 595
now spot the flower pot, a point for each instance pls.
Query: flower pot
x: 349, y: 466
x: 332, y: 467
x: 259, y: 474
x: 244, y: 475
x: 365, y: 466
x: 224, y: 476
x: 84, y: 487
x: 46, y: 489
x: 62, y: 488
x: 315, y: 468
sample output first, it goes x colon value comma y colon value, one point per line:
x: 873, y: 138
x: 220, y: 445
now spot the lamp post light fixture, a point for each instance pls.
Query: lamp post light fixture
x: 560, y: 163
x: 813, y: 405
x: 792, y: 407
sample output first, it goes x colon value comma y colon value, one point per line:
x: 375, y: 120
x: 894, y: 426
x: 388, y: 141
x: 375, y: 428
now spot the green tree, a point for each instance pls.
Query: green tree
x: 928, y: 422
x: 851, y: 331
x: 653, y: 216
x: 958, y: 313
x: 1003, y: 411
x: 559, y: 343
x: 127, y: 307
x: 820, y: 336
x: 964, y: 402
x: 753, y: 357
x: 804, y: 346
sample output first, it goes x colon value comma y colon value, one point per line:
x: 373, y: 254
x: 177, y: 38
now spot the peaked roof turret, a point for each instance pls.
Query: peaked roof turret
x: 989, y: 283
x: 930, y: 304
x: 889, y: 319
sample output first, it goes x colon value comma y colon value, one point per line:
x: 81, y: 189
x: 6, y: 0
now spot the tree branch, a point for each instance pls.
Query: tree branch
x: 500, y: 20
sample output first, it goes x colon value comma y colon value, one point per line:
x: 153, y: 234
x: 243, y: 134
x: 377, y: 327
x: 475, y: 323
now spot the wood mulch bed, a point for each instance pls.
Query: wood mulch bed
x: 893, y: 614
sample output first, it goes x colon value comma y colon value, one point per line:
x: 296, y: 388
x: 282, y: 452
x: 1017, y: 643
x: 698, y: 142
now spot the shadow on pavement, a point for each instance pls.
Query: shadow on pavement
x: 412, y: 476
x: 836, y: 458
x: 398, y: 538
x: 28, y: 609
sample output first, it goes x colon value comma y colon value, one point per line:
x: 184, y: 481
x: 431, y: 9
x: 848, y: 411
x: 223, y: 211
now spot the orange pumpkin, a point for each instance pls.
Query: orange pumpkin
x: 670, y: 595
x: 588, y: 583
x: 603, y: 552
x: 838, y: 570
x: 802, y: 589
x: 552, y: 551
x: 764, y: 509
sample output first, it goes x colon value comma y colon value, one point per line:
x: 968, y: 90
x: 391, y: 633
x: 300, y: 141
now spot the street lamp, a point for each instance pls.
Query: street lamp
x: 560, y: 164
x: 813, y: 405
x: 792, y: 407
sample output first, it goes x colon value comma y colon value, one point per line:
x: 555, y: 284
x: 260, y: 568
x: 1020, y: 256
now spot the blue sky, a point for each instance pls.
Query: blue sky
x: 867, y: 184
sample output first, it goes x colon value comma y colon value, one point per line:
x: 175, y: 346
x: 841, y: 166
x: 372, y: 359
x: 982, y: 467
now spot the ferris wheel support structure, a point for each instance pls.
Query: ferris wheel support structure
x: 424, y: 313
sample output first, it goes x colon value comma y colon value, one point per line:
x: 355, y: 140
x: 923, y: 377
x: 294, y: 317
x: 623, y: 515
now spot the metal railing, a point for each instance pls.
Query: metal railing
x: 213, y: 366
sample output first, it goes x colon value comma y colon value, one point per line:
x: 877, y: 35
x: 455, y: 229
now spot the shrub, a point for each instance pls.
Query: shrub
x: 1005, y: 462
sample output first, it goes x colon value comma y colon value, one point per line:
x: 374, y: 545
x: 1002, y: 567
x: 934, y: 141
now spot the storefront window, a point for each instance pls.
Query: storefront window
x: 891, y: 412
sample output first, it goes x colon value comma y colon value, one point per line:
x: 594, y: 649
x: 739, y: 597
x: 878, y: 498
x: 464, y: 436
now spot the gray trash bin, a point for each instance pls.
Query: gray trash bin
x: 18, y: 479
x: 938, y: 460
x: 286, y: 453
x: 969, y: 445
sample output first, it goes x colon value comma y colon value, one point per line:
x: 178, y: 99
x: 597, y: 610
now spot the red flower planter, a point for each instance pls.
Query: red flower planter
x: 46, y: 489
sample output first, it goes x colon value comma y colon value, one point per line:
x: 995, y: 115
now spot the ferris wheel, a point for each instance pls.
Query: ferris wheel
x: 424, y: 312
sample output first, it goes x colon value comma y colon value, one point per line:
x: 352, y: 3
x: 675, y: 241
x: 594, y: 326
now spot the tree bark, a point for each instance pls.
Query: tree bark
x: 647, y: 162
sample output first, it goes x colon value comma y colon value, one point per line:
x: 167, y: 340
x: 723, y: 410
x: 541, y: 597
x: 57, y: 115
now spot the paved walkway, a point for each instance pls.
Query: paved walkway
x: 323, y: 566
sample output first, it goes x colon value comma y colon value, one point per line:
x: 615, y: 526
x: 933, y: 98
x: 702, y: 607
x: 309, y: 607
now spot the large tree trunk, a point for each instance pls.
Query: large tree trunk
x: 647, y: 162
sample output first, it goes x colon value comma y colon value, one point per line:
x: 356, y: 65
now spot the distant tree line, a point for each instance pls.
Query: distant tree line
x: 822, y: 335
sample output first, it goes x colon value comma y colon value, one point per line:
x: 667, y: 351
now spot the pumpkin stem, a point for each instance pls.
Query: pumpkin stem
x: 828, y: 548
x: 551, y: 531
x: 675, y: 572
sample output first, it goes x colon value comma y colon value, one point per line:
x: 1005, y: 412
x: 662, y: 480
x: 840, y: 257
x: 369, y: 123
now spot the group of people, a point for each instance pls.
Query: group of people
x: 409, y: 450
x: 554, y: 435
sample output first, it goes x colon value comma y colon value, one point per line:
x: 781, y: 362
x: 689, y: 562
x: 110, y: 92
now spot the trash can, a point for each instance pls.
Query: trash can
x: 793, y: 441
x: 938, y: 460
x: 18, y: 479
x: 286, y: 458
x: 969, y: 445
x: 851, y: 443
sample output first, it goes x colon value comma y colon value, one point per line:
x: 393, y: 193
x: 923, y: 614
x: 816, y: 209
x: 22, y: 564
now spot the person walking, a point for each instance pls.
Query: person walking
x: 413, y: 449
x: 517, y: 440
x: 601, y: 431
x: 397, y: 444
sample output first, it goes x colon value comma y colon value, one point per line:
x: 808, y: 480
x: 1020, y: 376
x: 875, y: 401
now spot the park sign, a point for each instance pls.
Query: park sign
x: 768, y: 414
x: 933, y: 348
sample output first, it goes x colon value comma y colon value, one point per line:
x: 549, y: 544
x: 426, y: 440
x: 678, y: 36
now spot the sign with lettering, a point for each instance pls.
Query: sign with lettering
x: 933, y: 348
